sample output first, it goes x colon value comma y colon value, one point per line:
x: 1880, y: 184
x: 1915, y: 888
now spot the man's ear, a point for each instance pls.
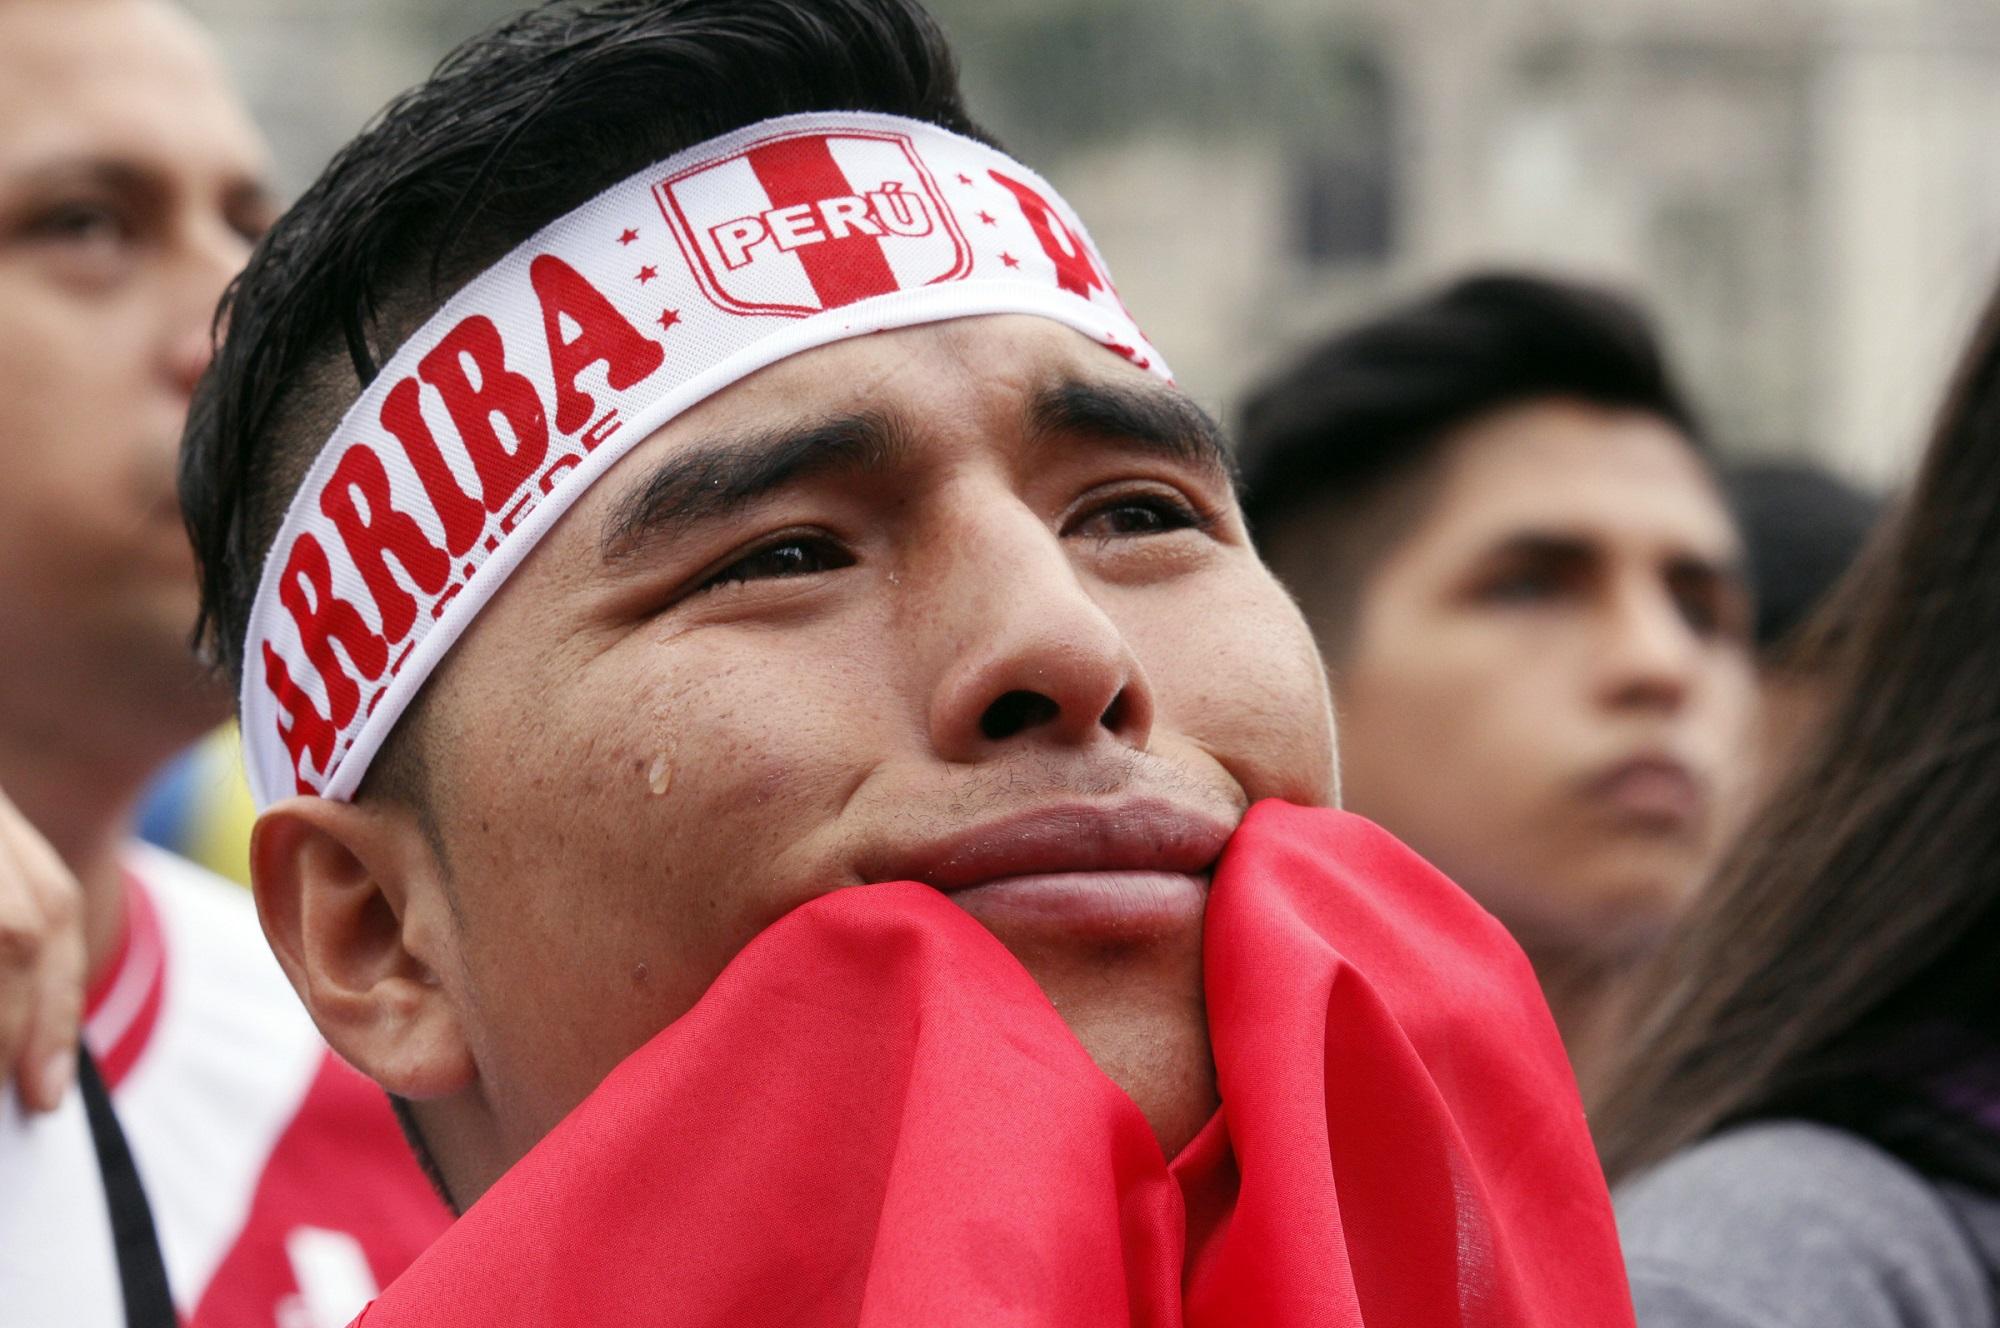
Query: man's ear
x: 353, y: 900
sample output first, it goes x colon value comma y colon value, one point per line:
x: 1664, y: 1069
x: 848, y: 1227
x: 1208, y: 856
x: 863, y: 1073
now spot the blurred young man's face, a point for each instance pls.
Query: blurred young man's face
x: 980, y: 612
x: 1546, y: 686
x: 129, y: 190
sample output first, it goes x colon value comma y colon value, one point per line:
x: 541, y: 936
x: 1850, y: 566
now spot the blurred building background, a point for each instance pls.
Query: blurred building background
x: 1807, y: 191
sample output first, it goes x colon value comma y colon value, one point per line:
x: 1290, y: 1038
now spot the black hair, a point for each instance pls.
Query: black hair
x: 1841, y: 965
x: 1374, y: 399
x: 1802, y: 527
x: 512, y: 130
x: 420, y: 1148
x: 1371, y: 406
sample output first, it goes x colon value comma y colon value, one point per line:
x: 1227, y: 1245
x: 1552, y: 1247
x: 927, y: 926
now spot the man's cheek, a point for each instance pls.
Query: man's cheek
x: 736, y: 766
x: 1244, y: 681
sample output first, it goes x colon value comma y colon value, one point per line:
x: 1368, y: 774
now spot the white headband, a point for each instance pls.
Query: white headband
x: 538, y: 375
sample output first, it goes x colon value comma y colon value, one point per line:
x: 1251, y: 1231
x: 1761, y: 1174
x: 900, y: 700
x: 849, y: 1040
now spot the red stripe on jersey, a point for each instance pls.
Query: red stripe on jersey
x: 341, y: 1174
x: 101, y: 982
x: 796, y: 171
x: 122, y: 1005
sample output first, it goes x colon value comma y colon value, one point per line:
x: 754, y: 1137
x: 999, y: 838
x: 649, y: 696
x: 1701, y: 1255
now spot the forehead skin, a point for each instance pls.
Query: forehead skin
x: 1474, y: 718
x: 118, y: 79
x: 632, y: 785
x: 1566, y: 466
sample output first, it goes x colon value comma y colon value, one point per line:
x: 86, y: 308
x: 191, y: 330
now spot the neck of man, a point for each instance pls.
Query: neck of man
x: 77, y: 774
x: 1586, y: 994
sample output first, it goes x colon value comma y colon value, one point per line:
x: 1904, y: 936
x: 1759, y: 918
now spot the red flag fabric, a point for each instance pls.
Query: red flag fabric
x: 875, y: 1117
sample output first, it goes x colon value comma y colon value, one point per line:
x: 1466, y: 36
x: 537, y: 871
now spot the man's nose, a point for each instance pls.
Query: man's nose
x: 211, y: 256
x: 188, y: 356
x: 1652, y: 652
x: 1030, y: 655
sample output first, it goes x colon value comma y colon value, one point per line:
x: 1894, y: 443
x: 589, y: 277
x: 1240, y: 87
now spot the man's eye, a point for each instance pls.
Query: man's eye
x: 79, y: 224
x: 1143, y: 514
x: 1714, y: 613
x: 796, y: 556
x: 1523, y: 587
x: 1701, y: 616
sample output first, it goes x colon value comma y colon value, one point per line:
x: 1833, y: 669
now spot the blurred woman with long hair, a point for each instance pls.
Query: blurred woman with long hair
x: 1807, y: 1122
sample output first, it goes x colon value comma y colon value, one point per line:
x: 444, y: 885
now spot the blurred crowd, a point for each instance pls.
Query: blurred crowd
x: 1713, y: 734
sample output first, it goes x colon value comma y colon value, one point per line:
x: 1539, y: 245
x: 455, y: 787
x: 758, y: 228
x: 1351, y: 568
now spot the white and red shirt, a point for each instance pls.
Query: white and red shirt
x: 282, y: 1190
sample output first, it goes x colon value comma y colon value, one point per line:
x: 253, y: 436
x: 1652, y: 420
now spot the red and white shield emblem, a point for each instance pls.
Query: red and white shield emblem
x: 797, y: 224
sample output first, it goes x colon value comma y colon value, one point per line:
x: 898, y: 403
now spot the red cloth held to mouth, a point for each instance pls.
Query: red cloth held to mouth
x: 874, y: 1117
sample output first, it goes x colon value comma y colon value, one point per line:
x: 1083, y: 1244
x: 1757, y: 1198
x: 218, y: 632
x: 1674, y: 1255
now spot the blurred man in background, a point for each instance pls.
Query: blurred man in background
x: 1496, y: 509
x: 131, y: 189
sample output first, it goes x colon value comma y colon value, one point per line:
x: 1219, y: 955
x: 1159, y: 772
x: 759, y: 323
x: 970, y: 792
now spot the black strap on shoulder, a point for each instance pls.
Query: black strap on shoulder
x: 142, y: 1273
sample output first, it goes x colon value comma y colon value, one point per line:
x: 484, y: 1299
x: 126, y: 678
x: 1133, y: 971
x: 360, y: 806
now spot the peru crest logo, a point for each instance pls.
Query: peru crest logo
x: 797, y: 224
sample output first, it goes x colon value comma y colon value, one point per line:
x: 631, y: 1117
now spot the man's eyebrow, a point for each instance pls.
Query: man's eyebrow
x: 1155, y: 419
x: 250, y: 194
x: 725, y: 475
x: 254, y: 198
x: 100, y: 172
x: 1732, y: 572
x: 1578, y: 547
x: 1549, y: 544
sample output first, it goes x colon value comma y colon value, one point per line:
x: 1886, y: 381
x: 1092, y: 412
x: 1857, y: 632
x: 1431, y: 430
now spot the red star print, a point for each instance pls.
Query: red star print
x: 987, y: 217
x: 1010, y: 260
x: 963, y: 178
x: 669, y: 317
x: 627, y: 235
x: 647, y: 273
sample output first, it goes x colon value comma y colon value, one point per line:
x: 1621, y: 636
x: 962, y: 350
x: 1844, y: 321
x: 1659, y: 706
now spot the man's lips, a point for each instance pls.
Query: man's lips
x: 1651, y: 791
x: 1140, y: 836
x: 1105, y: 870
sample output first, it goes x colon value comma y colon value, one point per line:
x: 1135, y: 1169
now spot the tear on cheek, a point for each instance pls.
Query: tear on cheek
x: 653, y: 761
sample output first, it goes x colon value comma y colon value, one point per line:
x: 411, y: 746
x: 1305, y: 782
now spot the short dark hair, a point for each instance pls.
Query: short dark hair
x: 1803, y: 527
x: 1369, y: 407
x: 513, y: 129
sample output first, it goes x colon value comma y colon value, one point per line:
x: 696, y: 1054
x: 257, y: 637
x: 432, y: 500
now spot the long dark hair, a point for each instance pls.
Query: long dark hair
x: 1845, y: 965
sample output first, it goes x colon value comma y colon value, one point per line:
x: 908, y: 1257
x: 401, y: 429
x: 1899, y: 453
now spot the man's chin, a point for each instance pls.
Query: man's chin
x: 1134, y: 1001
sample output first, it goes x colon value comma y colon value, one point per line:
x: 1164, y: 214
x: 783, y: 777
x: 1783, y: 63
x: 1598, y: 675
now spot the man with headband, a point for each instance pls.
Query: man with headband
x: 777, y: 752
